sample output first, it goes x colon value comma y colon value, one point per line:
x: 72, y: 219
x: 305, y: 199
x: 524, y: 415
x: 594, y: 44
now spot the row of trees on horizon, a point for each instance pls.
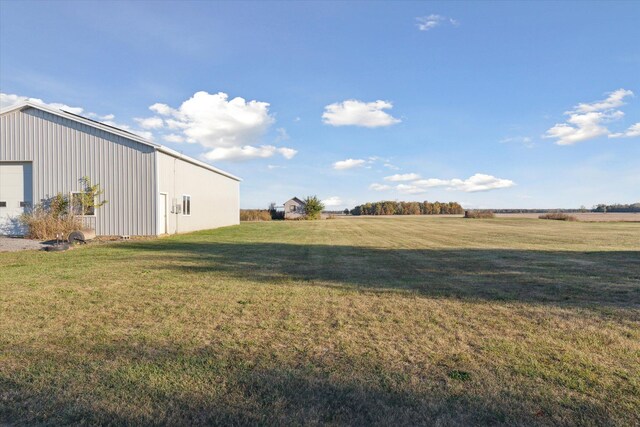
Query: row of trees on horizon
x: 617, y: 207
x: 633, y: 207
x: 407, y: 208
x: 388, y: 207
x: 443, y: 208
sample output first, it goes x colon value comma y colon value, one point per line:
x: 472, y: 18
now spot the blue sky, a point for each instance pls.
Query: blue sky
x: 521, y: 104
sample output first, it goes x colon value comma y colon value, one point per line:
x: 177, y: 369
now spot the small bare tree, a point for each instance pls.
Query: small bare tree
x: 87, y: 201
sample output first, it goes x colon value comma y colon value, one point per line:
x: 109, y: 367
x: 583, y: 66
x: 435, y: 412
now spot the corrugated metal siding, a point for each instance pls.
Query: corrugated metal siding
x: 63, y: 151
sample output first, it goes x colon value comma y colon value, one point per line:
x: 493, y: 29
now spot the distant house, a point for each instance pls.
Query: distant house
x: 294, y: 208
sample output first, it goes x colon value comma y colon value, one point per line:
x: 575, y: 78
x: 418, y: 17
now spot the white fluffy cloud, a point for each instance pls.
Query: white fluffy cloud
x: 287, y: 153
x: 357, y: 113
x: 332, y: 202
x: 7, y: 100
x: 614, y: 100
x: 379, y: 187
x: 98, y: 117
x: 480, y: 182
x: 367, y: 163
x: 426, y: 23
x: 431, y: 182
x: 173, y: 138
x: 150, y: 123
x: 162, y: 109
x: 349, y: 164
x: 475, y: 183
x: 231, y: 129
x: 633, y: 131
x: 410, y: 189
x: 587, y: 120
x: 402, y: 177
x: 214, y: 121
x: 248, y: 152
x: 581, y: 127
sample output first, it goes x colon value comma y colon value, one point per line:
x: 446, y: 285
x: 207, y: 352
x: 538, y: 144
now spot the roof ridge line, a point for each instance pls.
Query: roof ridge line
x: 115, y: 131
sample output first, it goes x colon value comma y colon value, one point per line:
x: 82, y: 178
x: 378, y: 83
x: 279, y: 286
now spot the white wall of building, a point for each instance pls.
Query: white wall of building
x: 215, y: 198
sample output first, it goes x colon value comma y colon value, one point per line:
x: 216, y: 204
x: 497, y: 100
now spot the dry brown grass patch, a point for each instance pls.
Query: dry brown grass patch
x: 479, y: 214
x: 43, y: 225
x: 558, y: 216
x: 255, y: 215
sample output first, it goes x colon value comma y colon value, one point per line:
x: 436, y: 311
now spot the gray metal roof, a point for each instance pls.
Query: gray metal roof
x: 116, y: 131
x: 297, y: 200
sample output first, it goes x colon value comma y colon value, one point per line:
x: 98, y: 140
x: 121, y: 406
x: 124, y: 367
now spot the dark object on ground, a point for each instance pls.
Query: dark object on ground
x: 479, y: 214
x: 58, y: 247
x: 558, y: 216
x: 81, y: 236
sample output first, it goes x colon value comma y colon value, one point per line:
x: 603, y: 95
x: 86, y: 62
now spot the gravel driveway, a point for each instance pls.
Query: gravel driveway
x: 13, y: 244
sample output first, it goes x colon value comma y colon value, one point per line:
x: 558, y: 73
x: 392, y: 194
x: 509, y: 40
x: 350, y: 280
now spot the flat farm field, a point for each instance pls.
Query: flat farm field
x: 584, y: 216
x: 363, y: 321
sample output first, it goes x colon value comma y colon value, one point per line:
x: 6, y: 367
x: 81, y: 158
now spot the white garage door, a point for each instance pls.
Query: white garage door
x: 15, y: 195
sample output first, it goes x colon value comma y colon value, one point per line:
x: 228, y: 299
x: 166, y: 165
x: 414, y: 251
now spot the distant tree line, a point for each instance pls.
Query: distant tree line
x: 407, y: 208
x: 540, y: 211
x: 633, y: 207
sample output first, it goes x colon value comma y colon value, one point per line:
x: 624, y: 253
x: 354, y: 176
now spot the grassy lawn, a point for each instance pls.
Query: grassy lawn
x: 410, y: 320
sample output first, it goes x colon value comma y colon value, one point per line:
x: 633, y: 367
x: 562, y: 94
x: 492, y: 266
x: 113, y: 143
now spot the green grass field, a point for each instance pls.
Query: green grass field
x: 403, y: 321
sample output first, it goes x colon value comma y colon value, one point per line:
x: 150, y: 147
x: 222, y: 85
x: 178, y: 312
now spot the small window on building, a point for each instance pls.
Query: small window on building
x: 79, y: 205
x: 25, y: 204
x: 3, y: 204
x: 186, y: 205
x: 293, y: 208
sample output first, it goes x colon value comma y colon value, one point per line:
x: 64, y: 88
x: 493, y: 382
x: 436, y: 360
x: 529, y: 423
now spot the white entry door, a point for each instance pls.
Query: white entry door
x: 16, y: 196
x: 162, y: 214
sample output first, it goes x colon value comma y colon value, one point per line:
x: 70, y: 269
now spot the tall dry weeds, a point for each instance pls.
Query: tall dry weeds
x: 479, y: 214
x: 255, y: 215
x: 558, y: 216
x: 43, y: 223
